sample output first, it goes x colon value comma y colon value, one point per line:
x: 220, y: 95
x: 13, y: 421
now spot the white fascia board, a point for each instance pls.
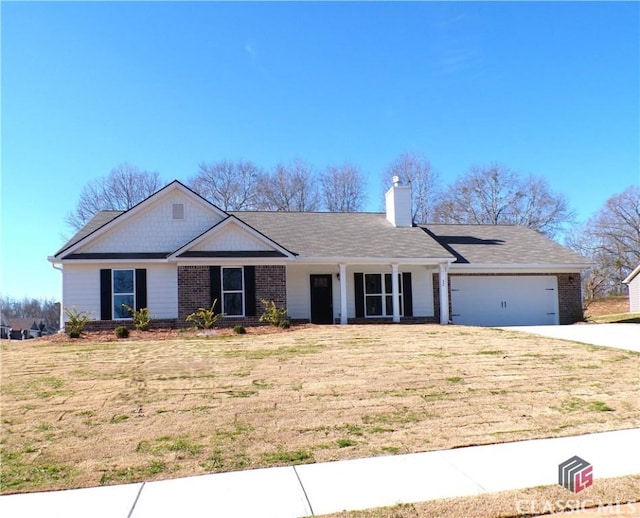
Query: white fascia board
x: 109, y: 261
x: 632, y: 275
x: 231, y: 219
x: 349, y: 261
x: 234, y: 261
x: 517, y: 268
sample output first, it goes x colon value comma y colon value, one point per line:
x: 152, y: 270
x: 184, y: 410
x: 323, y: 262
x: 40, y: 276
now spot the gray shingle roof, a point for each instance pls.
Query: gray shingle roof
x: 340, y: 234
x: 502, y: 244
x: 99, y: 219
x: 359, y: 234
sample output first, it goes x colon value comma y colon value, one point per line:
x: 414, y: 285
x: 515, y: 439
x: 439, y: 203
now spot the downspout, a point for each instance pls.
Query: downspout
x: 61, y: 330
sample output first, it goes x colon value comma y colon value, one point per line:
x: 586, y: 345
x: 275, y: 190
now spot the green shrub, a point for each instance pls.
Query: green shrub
x: 121, y: 332
x: 285, y: 324
x: 205, y: 318
x: 141, y: 318
x: 272, y: 314
x: 239, y: 329
x: 77, y: 320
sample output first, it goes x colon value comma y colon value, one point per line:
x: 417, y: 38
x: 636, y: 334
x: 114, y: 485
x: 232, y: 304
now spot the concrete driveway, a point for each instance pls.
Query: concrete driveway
x: 620, y: 336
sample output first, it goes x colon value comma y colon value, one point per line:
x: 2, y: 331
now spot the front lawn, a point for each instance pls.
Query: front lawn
x: 84, y: 413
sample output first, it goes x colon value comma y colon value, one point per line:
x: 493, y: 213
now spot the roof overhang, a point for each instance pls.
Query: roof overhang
x: 518, y: 268
x: 632, y: 275
x: 424, y: 261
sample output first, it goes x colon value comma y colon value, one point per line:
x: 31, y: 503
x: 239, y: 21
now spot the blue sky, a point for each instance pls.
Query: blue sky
x: 547, y: 88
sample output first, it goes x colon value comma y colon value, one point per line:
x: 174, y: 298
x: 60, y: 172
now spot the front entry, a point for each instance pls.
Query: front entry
x: 321, y: 299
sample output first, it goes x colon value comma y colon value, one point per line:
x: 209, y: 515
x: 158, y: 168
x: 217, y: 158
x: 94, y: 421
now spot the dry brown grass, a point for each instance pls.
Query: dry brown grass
x: 606, y: 306
x: 89, y: 412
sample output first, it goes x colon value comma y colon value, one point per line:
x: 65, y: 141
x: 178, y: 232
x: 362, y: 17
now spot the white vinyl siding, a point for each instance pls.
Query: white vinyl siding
x: 298, y: 291
x: 634, y: 294
x: 81, y: 288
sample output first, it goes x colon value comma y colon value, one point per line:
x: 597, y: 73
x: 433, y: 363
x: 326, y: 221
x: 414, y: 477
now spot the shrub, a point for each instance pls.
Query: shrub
x: 239, y: 329
x: 141, y: 318
x: 285, y: 324
x: 121, y: 332
x: 77, y: 320
x: 272, y: 314
x: 205, y: 318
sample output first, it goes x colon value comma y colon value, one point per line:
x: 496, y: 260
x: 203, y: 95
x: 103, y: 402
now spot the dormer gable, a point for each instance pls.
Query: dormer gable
x: 161, y: 223
x: 231, y: 237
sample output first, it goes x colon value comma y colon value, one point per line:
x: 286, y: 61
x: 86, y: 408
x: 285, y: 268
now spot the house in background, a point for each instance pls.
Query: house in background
x: 633, y: 281
x: 175, y: 252
x: 4, y: 327
x: 17, y: 328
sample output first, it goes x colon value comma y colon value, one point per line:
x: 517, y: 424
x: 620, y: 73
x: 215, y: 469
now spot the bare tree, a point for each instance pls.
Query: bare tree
x: 497, y: 195
x: 124, y: 187
x: 343, y: 188
x: 45, y: 310
x: 229, y: 185
x: 291, y: 187
x: 611, y: 238
x: 416, y: 170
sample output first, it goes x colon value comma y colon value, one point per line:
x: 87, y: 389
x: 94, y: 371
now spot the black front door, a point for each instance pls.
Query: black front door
x: 321, y: 299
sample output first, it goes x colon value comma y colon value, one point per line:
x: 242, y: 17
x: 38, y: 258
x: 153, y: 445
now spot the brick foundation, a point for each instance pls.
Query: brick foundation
x: 109, y: 325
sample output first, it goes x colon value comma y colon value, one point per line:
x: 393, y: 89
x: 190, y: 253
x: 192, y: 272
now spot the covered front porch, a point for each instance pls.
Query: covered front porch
x: 368, y: 292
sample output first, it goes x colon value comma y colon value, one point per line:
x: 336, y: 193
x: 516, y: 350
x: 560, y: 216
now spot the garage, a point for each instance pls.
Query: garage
x: 504, y: 300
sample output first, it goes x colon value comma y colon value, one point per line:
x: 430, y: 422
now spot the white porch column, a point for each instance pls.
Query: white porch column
x: 444, y: 293
x: 343, y: 294
x: 395, y: 293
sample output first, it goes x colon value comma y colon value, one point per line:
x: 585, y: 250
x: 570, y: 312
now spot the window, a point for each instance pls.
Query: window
x: 233, y: 292
x: 123, y: 293
x: 378, y: 296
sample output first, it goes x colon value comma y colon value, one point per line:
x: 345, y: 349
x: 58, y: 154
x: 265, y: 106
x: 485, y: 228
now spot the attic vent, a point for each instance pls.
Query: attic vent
x: 178, y: 211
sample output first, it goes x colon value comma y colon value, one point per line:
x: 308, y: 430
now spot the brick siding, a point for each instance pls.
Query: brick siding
x: 194, y: 288
x: 108, y: 325
x: 194, y: 291
x: 570, y: 298
x: 271, y: 284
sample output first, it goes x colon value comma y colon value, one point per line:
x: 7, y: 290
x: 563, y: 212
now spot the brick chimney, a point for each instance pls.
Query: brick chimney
x: 398, y: 202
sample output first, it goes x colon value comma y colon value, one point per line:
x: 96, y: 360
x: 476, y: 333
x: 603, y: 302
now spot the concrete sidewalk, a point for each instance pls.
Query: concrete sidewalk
x: 314, y: 489
x: 620, y: 336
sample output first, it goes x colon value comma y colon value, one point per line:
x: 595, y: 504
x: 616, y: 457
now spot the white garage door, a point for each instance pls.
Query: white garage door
x: 504, y: 300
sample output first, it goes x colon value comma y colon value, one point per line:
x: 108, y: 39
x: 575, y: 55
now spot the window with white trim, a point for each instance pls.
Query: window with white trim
x: 233, y: 291
x: 123, y: 293
x: 378, y: 298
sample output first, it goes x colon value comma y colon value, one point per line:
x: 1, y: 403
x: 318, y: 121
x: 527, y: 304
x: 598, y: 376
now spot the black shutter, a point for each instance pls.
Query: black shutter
x: 250, y: 291
x: 105, y: 294
x: 216, y: 288
x: 141, y: 288
x: 358, y: 283
x: 407, y: 294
